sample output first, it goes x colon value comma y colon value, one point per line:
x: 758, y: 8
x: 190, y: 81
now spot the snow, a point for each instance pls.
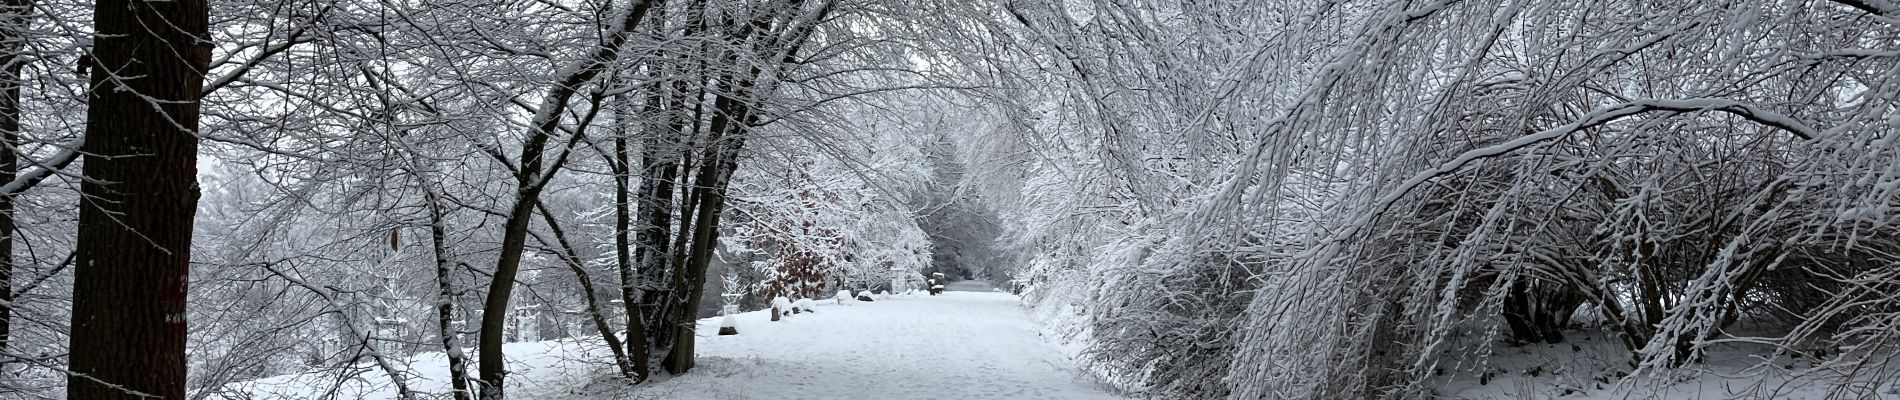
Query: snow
x: 1590, y: 366
x: 961, y: 345
x: 538, y: 370
x: 969, y: 286
x: 974, y: 345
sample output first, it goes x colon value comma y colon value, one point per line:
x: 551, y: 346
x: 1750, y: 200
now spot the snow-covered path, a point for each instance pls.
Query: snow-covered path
x: 960, y: 345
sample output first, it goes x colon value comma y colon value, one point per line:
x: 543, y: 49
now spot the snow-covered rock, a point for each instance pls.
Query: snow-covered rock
x: 842, y: 296
x: 865, y: 295
x: 780, y: 306
x: 728, y: 326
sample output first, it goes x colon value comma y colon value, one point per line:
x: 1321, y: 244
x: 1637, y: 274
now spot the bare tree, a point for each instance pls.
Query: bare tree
x: 14, y: 16
x: 532, y: 176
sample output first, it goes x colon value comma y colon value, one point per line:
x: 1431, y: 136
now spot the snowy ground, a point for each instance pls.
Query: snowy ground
x: 963, y: 344
x: 969, y: 286
x: 1591, y: 366
x: 960, y: 345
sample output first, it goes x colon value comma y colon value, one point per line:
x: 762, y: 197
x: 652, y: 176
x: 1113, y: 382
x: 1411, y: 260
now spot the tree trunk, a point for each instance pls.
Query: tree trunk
x: 445, y: 299
x: 660, y: 165
x: 530, y: 179
x: 140, y: 195
x: 715, y: 172
x: 13, y: 13
x: 670, y: 154
x: 689, y: 127
x: 730, y: 120
x: 666, y: 315
x: 495, y: 308
x: 630, y: 284
x: 572, y: 258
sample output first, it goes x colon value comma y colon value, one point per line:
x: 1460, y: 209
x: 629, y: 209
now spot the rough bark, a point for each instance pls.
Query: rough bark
x: 140, y: 195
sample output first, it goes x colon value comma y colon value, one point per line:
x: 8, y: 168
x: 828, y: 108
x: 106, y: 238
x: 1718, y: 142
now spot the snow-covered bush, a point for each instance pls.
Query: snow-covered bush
x: 825, y: 224
x: 1381, y: 178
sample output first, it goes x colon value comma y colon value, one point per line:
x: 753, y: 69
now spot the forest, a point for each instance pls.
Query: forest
x: 1248, y: 199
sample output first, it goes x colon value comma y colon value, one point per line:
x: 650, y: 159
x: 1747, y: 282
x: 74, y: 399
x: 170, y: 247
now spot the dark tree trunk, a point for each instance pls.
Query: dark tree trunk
x: 666, y: 316
x: 140, y: 195
x: 530, y: 179
x: 630, y: 283
x: 727, y: 126
x: 13, y: 13
x: 715, y: 172
x: 671, y: 155
x: 660, y: 164
x: 642, y: 266
x: 495, y: 308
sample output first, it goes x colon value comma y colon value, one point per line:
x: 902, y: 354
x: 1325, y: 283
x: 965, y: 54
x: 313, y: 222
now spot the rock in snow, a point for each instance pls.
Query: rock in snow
x: 780, y: 306
x: 728, y: 326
